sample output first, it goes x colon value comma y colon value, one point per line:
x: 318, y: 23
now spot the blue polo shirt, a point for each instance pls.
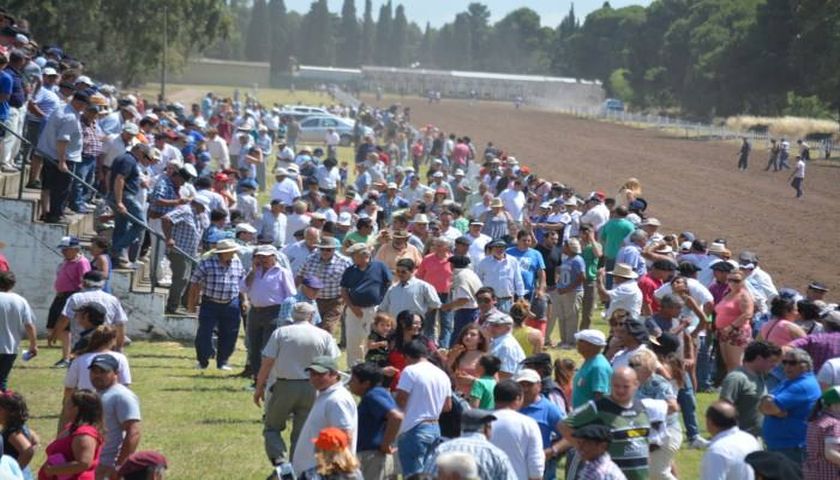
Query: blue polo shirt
x: 530, y: 263
x: 547, y: 415
x: 796, y: 397
x: 6, y: 84
x: 127, y: 166
x: 367, y: 287
x: 592, y: 377
x: 373, y: 409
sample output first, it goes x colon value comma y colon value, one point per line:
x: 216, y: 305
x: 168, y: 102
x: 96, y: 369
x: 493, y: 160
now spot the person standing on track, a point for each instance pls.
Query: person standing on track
x: 744, y: 154
x: 797, y: 178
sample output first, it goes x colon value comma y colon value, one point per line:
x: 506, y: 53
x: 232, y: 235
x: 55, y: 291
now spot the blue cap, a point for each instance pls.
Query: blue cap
x: 313, y: 282
x: 249, y: 183
x: 105, y: 362
x: 68, y: 242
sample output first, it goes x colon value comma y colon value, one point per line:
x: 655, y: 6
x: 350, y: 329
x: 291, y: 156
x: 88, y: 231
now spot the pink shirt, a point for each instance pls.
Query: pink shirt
x: 777, y: 332
x: 437, y: 272
x: 69, y: 275
x: 460, y: 153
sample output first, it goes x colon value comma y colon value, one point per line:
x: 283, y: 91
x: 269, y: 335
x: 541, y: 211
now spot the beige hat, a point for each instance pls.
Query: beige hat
x: 624, y: 271
x: 226, y: 246
x: 497, y: 203
x: 420, y: 218
x: 717, y: 247
x: 356, y: 248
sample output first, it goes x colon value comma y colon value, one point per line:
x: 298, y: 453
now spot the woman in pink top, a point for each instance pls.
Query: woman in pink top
x: 437, y: 271
x: 464, y: 355
x: 68, y: 280
x: 781, y: 329
x: 732, y: 321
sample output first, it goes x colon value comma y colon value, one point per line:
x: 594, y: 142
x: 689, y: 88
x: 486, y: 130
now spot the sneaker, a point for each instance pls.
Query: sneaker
x: 35, y: 184
x: 225, y: 368
x: 699, y: 443
x: 63, y: 363
x: 199, y: 366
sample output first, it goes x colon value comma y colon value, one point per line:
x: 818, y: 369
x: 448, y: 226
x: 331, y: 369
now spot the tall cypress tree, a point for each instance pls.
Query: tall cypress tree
x: 349, y: 44
x: 399, y: 38
x: 368, y: 34
x: 382, y: 51
x: 280, y: 46
x: 258, y: 40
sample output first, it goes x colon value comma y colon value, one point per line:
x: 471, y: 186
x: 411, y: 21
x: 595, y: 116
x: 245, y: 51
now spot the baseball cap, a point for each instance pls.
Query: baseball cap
x: 331, y: 439
x: 140, y: 461
x: 323, y: 364
x: 595, y: 337
x: 537, y: 359
x: 499, y: 318
x: 527, y: 375
x: 68, y: 242
x: 593, y: 431
x: 105, y: 362
x: 475, y: 418
x: 131, y: 128
x: 265, y: 250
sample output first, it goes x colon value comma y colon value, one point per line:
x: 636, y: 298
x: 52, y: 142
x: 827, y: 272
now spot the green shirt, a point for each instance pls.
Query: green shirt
x: 592, y: 377
x: 630, y: 428
x: 482, y: 389
x: 744, y: 390
x: 355, y: 237
x: 462, y: 224
x: 613, y: 235
x: 591, y: 261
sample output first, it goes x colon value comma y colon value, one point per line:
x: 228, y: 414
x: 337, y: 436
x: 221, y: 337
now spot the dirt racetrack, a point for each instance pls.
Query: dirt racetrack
x: 690, y: 184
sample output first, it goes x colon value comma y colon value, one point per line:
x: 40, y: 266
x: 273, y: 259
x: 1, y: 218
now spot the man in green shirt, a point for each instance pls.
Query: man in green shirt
x: 744, y: 386
x: 591, y: 253
x: 628, y: 422
x: 612, y: 237
x: 592, y: 380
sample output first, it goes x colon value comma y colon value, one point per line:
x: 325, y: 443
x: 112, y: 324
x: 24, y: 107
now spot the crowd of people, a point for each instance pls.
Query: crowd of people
x: 438, y: 269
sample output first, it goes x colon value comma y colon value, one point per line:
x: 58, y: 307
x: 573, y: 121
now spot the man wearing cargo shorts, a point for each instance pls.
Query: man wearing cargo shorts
x: 287, y: 354
x: 567, y: 298
x: 363, y: 286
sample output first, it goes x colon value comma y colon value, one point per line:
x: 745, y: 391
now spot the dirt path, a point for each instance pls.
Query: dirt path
x: 690, y: 185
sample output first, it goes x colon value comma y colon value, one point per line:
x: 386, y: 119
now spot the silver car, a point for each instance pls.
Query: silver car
x: 314, y: 129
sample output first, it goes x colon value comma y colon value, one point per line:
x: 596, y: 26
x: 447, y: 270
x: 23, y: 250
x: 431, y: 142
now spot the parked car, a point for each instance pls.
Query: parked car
x: 309, y: 110
x: 314, y: 129
x: 613, y: 105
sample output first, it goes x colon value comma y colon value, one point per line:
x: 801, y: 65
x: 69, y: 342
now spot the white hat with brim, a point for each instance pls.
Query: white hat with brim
x: 226, y: 246
x: 624, y: 271
x: 527, y: 375
x: 595, y: 337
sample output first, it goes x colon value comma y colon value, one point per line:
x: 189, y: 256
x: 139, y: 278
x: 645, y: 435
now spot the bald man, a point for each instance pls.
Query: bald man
x: 627, y: 419
x: 724, y: 459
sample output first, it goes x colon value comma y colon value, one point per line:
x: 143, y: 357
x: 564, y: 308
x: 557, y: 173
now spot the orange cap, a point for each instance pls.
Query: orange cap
x: 331, y: 439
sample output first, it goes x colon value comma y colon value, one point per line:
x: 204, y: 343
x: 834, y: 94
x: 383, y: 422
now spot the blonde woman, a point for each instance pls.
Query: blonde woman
x: 732, y: 321
x: 333, y: 458
x: 656, y: 387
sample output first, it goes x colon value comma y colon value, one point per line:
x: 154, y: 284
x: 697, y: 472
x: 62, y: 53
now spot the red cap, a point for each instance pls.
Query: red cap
x: 221, y: 177
x: 441, y: 190
x: 331, y: 439
x: 139, y: 461
x: 525, y: 170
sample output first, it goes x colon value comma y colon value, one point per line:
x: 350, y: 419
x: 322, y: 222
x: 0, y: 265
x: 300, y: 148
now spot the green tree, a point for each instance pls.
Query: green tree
x: 478, y: 18
x: 520, y: 44
x: 426, y: 50
x: 462, y: 47
x: 280, y: 41
x: 399, y: 37
x: 119, y: 47
x: 561, y: 60
x: 349, y: 36
x: 383, y: 50
x: 817, y: 50
x: 258, y: 39
x: 318, y: 45
x: 368, y: 34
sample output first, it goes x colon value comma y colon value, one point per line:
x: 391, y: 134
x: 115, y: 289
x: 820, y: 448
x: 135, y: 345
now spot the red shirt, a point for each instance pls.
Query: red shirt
x: 436, y: 271
x: 648, y: 285
x: 4, y: 264
x: 64, y: 447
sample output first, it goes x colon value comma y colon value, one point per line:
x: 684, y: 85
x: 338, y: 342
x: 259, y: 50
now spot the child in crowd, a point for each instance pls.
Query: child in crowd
x: 377, y: 343
x: 100, y: 259
x: 19, y: 442
x: 481, y: 393
x: 343, y: 174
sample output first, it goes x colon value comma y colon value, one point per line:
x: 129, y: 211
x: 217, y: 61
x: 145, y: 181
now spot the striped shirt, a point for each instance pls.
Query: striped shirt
x: 602, y: 468
x: 187, y: 228
x: 219, y: 282
x: 164, y: 190
x: 91, y: 142
x: 329, y: 273
x: 492, y: 462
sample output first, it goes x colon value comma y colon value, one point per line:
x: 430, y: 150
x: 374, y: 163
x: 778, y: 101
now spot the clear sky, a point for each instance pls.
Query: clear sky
x: 439, y: 12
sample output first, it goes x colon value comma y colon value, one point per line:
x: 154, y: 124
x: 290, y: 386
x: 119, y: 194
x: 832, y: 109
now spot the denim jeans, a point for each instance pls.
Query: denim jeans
x: 609, y: 264
x: 463, y: 317
x: 80, y: 193
x: 688, y: 405
x: 705, y: 362
x: 445, y: 322
x: 413, y: 447
x: 261, y: 324
x: 127, y: 231
x: 223, y: 317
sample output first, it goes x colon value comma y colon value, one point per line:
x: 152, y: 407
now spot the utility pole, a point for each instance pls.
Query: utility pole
x: 165, y: 48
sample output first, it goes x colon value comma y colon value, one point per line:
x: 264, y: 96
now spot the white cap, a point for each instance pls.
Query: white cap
x: 245, y: 227
x: 190, y: 169
x: 50, y: 71
x: 84, y: 79
x: 131, y: 128
x: 527, y: 375
x: 345, y: 219
x: 595, y: 337
x: 685, y: 245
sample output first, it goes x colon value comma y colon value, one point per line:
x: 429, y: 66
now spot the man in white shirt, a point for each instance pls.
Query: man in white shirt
x: 409, y: 292
x: 289, y: 353
x: 16, y: 320
x: 516, y: 434
x: 597, y: 214
x: 298, y: 252
x: 499, y: 327
x: 273, y: 224
x: 286, y: 189
x: 501, y: 272
x: 724, y: 459
x: 423, y: 393
x: 333, y: 407
x: 514, y: 199
x: 625, y: 293
x: 331, y: 140
x: 217, y: 149
x: 758, y: 281
x: 478, y: 241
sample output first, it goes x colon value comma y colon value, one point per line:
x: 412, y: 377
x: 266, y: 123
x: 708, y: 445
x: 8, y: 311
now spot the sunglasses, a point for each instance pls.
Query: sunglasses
x: 634, y: 364
x: 733, y: 280
x: 791, y: 362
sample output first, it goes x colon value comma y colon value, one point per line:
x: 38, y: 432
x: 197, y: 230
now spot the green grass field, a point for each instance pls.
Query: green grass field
x: 204, y: 421
x: 185, y: 94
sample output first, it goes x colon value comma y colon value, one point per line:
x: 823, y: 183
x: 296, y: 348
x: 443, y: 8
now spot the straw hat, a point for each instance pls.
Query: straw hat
x: 226, y: 246
x: 624, y: 271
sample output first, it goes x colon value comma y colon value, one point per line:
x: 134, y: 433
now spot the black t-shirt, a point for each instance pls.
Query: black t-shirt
x: 127, y: 166
x: 552, y: 259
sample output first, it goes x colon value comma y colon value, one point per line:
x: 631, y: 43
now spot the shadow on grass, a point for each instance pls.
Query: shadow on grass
x: 220, y: 388
x: 52, y: 416
x: 199, y: 376
x: 161, y: 355
x: 229, y: 421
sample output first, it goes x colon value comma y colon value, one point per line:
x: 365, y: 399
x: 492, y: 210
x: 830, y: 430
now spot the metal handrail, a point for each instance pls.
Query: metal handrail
x: 131, y: 217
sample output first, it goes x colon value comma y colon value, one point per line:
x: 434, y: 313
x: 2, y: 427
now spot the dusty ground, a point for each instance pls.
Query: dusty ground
x: 689, y: 184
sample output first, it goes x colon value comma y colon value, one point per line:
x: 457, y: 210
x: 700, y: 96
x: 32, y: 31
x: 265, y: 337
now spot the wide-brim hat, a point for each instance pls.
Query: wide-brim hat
x: 226, y: 246
x: 624, y: 271
x: 497, y: 203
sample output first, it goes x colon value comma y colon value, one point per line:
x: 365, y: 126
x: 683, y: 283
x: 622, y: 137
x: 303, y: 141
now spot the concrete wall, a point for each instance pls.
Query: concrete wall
x: 205, y: 71
x: 30, y: 250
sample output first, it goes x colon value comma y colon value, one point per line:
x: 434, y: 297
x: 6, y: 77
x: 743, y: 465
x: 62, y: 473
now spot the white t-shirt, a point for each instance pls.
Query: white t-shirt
x: 698, y: 292
x: 428, y: 388
x: 514, y: 202
x: 519, y: 437
x: 78, y: 375
x: 626, y: 296
x: 830, y: 372
x: 333, y: 407
x: 799, y: 169
x: 622, y: 358
x: 596, y: 216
